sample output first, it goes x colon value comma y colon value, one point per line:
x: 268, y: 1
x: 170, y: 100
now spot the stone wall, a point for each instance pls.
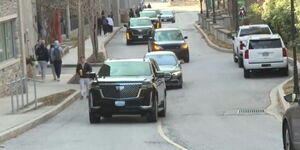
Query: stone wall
x: 9, y: 71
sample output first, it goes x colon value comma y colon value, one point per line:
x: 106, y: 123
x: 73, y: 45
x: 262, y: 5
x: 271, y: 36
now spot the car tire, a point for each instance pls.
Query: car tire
x: 180, y: 83
x: 164, y: 111
x: 247, y: 73
x: 173, y: 21
x: 94, y: 118
x: 152, y: 116
x: 186, y: 59
x: 287, y: 142
x: 128, y: 42
x: 285, y: 71
x: 240, y: 63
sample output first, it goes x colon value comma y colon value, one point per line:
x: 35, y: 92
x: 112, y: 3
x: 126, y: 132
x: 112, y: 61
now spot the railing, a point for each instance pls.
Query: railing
x: 20, y: 94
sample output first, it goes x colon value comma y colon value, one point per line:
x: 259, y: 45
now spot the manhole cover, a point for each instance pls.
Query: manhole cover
x: 245, y: 111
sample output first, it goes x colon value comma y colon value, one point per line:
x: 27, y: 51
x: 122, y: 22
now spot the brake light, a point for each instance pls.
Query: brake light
x: 184, y: 47
x: 284, y: 53
x: 241, y: 45
x: 127, y: 35
x: 156, y: 47
x: 246, y: 55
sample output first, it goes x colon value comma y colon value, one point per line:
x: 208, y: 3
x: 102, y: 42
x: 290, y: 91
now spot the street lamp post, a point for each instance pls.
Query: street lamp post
x: 293, y: 30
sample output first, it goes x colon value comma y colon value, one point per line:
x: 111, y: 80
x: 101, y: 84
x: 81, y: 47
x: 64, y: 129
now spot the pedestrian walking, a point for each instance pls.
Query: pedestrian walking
x: 36, y: 46
x: 100, y: 25
x: 131, y: 13
x: 105, y: 25
x: 137, y: 12
x: 51, y: 62
x: 82, y: 70
x: 56, y: 56
x: 42, y: 56
x: 110, y: 23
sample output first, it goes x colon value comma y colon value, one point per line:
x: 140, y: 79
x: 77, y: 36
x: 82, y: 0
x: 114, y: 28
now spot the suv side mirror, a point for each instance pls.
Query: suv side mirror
x: 186, y: 37
x: 125, y: 25
x: 291, y: 98
x: 92, y: 75
x: 230, y: 36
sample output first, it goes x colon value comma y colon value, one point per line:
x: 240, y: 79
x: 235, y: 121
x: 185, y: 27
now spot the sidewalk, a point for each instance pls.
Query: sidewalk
x: 53, y: 97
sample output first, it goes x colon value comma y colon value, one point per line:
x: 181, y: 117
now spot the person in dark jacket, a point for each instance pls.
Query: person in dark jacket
x: 42, y: 56
x: 137, y: 12
x: 56, y: 57
x: 131, y: 13
x: 100, y: 25
x: 149, y: 5
x: 82, y: 70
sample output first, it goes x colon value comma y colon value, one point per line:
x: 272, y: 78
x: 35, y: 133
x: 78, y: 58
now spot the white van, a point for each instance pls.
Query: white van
x: 265, y: 52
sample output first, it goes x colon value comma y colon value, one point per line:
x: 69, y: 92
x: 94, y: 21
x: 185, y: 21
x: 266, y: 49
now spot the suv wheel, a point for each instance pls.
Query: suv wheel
x: 240, y: 62
x: 94, y: 118
x: 234, y: 58
x: 180, y: 83
x: 186, y: 59
x: 128, y: 42
x: 246, y: 73
x: 287, y: 139
x: 164, y: 111
x: 152, y: 116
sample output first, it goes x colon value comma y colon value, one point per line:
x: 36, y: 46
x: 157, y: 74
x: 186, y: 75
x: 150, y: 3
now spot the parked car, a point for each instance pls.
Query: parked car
x: 240, y: 40
x: 153, y: 17
x: 167, y: 16
x: 265, y: 52
x: 138, y: 30
x: 157, y: 11
x: 169, y: 39
x: 168, y: 62
x: 291, y: 124
x: 128, y: 86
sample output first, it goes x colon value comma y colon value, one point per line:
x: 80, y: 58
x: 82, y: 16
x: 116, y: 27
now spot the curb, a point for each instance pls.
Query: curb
x: 22, y: 128
x: 210, y: 43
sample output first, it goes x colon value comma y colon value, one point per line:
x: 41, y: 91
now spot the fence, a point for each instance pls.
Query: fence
x: 19, y: 92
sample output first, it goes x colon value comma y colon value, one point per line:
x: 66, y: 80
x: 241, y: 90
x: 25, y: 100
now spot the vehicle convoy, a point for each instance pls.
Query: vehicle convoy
x: 240, y: 40
x: 138, y: 30
x: 155, y: 19
x: 291, y: 125
x: 168, y: 62
x: 169, y: 39
x: 265, y: 52
x: 125, y: 87
x: 167, y: 16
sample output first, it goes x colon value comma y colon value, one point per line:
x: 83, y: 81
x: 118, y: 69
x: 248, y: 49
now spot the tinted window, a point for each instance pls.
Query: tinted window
x: 164, y: 59
x: 150, y: 14
x: 140, y: 22
x: 169, y: 35
x: 126, y: 69
x: 255, y: 30
x: 260, y: 44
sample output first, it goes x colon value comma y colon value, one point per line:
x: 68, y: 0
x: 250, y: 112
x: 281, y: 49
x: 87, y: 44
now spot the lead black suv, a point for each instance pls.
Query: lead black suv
x: 125, y: 87
x: 138, y: 30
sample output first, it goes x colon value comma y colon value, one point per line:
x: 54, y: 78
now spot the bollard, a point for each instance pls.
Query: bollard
x: 12, y: 100
x: 35, y: 97
x: 22, y: 91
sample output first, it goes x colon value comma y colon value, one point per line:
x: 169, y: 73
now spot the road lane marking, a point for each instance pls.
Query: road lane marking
x: 166, y: 138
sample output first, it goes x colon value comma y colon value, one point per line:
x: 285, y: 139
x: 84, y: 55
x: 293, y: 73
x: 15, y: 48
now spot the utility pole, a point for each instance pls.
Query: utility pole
x: 214, y: 11
x: 235, y: 17
x: 293, y: 30
x: 207, y: 12
x: 21, y: 38
x: 116, y: 12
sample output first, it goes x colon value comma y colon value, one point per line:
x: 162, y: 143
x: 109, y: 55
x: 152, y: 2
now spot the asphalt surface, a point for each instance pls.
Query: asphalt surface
x: 201, y: 116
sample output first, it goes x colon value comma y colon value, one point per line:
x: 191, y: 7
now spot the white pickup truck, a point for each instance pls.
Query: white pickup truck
x: 240, y: 40
x: 265, y: 52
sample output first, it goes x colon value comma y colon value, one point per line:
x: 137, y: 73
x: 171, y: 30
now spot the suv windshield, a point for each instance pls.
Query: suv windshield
x: 140, y: 22
x: 255, y: 30
x: 125, y: 69
x: 150, y: 14
x: 164, y: 59
x: 261, y: 44
x: 168, y: 35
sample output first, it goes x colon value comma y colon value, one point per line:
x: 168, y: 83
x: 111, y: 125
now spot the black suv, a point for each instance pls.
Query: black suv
x: 128, y: 87
x: 169, y: 39
x: 138, y: 30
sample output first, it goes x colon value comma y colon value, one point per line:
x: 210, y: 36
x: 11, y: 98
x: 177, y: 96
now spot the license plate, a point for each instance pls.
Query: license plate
x: 120, y: 103
x: 140, y: 36
x: 266, y: 65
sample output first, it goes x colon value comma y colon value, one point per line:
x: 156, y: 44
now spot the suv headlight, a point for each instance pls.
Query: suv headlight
x: 176, y: 73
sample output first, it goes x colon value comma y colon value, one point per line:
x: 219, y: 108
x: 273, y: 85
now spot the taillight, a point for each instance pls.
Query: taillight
x: 246, y: 55
x: 284, y: 53
x: 242, y: 45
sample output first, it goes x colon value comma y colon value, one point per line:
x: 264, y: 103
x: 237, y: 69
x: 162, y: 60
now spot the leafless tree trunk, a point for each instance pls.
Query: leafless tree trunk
x: 81, y: 39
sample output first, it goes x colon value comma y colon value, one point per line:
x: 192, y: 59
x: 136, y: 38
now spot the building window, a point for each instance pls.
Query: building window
x: 7, y: 40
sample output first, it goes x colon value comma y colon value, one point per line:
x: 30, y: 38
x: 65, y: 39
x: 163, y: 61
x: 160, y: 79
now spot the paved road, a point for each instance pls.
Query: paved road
x: 200, y: 116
